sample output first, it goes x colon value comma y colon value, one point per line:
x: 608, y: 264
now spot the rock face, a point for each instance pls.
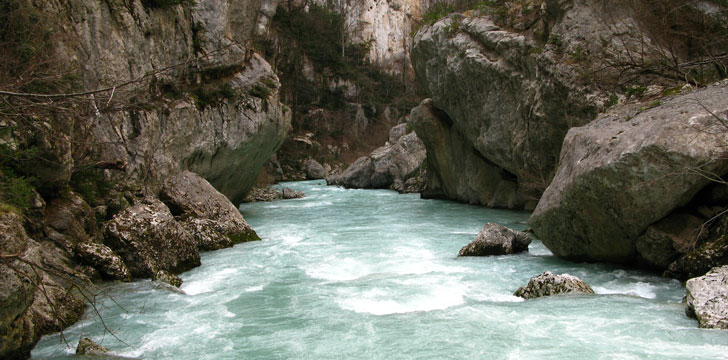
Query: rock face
x: 707, y: 298
x: 385, y: 25
x: 548, y: 284
x: 506, y: 102
x: 208, y: 215
x: 224, y: 129
x: 390, y: 166
x: 620, y: 174
x: 495, y: 239
x: 25, y: 311
x: 456, y: 170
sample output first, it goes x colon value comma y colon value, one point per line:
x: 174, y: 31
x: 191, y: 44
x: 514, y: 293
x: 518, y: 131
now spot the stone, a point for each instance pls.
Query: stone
x: 626, y: 171
x: 495, y: 239
x: 387, y: 167
x: 548, y: 284
x: 665, y: 241
x: 212, y: 220
x: 289, y: 193
x: 314, y: 170
x: 707, y: 298
x: 168, y: 278
x: 104, y: 260
x: 455, y: 169
x: 263, y: 194
x: 149, y: 239
x: 87, y: 346
x: 398, y: 131
x: 700, y: 260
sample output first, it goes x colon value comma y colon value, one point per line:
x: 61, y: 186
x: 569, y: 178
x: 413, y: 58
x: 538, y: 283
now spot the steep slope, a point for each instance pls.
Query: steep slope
x: 97, y: 187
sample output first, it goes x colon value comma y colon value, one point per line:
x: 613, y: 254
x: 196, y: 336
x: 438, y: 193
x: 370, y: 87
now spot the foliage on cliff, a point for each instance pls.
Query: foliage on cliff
x: 320, y: 70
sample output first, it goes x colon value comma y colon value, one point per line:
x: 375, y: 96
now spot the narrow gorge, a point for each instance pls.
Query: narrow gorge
x: 139, y: 140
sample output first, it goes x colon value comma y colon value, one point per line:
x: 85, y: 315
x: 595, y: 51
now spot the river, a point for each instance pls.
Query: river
x: 372, y: 274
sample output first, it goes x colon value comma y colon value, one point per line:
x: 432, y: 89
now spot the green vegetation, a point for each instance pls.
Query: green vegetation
x: 613, y: 100
x: 89, y: 182
x: 316, y: 36
x: 635, y: 91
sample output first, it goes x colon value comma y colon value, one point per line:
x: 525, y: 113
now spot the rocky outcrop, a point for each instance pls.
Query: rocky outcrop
x: 149, y: 239
x: 211, y: 218
x: 384, y: 25
x: 495, y: 239
x: 389, y: 166
x: 456, y: 170
x: 99, y: 256
x: 32, y: 300
x: 548, y: 284
x: 507, y: 100
x: 624, y: 172
x: 707, y: 299
x: 87, y: 346
x: 215, y: 110
x: 270, y: 194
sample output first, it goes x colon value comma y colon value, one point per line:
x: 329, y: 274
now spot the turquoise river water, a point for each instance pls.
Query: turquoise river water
x: 372, y: 274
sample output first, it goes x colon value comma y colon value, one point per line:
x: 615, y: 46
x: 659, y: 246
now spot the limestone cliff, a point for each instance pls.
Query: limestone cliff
x: 159, y: 87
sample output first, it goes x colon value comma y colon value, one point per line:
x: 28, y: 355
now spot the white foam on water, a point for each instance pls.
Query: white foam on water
x: 254, y: 288
x: 641, y: 289
x: 494, y: 297
x: 209, y: 283
x: 381, y: 303
x: 291, y: 239
x: 333, y: 269
x: 464, y: 233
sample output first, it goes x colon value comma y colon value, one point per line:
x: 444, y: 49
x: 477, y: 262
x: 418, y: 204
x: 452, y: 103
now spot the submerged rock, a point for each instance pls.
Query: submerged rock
x: 87, y: 346
x: 169, y: 278
x: 289, y: 193
x: 707, y: 298
x: 548, y: 284
x: 624, y: 172
x: 495, y: 239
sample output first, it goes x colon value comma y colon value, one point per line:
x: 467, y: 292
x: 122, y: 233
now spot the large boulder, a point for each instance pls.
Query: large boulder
x: 87, y: 346
x: 548, y: 284
x: 455, y: 169
x: 509, y: 100
x: 104, y: 260
x: 707, y: 298
x: 149, y: 239
x: 389, y: 166
x: 496, y: 239
x: 208, y: 215
x: 628, y: 170
x: 314, y: 170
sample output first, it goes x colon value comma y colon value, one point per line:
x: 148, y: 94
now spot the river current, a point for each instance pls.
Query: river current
x: 372, y: 274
